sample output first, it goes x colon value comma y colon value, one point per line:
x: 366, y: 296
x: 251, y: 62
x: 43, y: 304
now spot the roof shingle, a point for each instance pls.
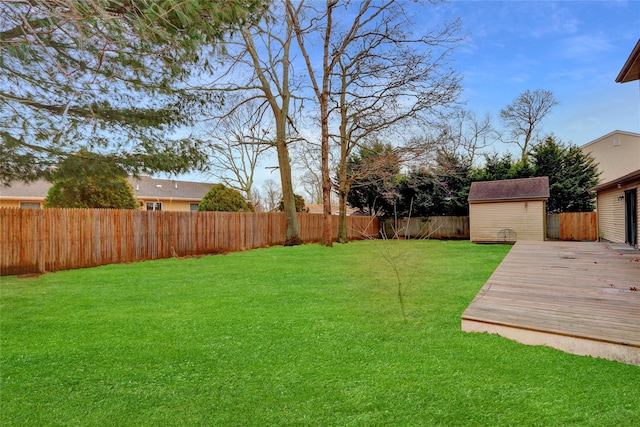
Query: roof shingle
x: 510, y: 189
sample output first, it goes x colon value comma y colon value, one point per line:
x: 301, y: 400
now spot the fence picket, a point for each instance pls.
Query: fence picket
x: 34, y: 240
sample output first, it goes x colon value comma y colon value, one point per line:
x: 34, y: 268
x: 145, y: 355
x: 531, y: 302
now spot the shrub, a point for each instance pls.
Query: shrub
x: 221, y: 198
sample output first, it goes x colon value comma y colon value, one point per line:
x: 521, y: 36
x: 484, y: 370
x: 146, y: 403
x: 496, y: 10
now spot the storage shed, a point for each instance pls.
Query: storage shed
x: 508, y: 210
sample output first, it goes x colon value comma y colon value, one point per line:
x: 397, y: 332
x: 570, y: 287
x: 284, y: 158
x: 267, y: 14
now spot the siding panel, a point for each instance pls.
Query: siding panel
x: 611, y: 215
x: 525, y: 218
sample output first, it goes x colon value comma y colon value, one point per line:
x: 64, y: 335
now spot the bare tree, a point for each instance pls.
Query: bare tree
x: 307, y: 158
x: 271, y: 195
x: 466, y: 135
x: 523, y: 116
x: 375, y: 75
x: 262, y: 69
x: 239, y: 141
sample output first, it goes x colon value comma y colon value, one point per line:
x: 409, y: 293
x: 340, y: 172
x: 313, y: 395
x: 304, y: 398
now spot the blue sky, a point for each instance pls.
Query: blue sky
x: 573, y: 48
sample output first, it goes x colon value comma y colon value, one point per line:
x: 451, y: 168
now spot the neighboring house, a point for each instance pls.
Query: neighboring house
x: 168, y: 194
x: 153, y: 194
x: 508, y: 210
x: 617, y: 154
x: 617, y: 196
x: 24, y: 196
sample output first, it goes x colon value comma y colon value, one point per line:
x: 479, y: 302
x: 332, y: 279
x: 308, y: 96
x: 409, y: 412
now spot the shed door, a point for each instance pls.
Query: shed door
x: 631, y: 217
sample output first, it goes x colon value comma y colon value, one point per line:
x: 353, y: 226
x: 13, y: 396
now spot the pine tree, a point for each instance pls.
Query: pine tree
x: 571, y: 175
x: 90, y: 180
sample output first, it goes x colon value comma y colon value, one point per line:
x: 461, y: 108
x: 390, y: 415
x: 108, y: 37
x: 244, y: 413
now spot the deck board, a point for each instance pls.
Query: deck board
x: 581, y: 290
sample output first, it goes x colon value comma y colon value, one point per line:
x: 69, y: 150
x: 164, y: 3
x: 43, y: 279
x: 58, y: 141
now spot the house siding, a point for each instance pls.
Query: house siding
x: 526, y: 218
x: 174, y: 195
x: 9, y: 203
x: 168, y: 204
x: 617, y: 154
x: 611, y: 216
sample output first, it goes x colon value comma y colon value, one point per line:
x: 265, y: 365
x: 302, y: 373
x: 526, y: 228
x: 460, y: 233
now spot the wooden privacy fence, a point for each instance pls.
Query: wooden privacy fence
x: 432, y: 227
x: 39, y: 240
x: 577, y: 226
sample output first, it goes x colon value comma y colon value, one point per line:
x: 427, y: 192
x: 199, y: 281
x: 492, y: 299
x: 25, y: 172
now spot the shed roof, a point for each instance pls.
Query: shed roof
x: 510, y: 189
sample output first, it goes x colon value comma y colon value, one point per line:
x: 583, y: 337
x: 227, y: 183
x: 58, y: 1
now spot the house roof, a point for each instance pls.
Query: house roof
x: 143, y: 187
x: 147, y: 187
x: 510, y: 189
x: 631, y: 69
x: 623, y: 180
x: 36, y: 190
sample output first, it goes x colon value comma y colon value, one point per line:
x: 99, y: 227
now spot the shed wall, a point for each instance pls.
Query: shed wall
x: 526, y: 218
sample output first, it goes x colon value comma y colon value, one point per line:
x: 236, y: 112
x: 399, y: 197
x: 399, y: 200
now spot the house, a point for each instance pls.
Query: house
x: 508, y: 210
x: 168, y: 194
x: 617, y: 195
x: 153, y: 194
x: 617, y: 154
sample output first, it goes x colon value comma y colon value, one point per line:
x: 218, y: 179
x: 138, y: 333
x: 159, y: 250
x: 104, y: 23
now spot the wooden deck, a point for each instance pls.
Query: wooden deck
x: 579, y: 297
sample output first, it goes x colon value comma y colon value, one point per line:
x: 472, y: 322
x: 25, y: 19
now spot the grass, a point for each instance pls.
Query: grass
x: 288, y: 336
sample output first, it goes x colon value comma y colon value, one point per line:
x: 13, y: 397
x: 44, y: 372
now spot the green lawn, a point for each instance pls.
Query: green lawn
x: 288, y: 336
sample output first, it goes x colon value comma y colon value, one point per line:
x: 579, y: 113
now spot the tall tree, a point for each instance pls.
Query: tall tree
x: 571, y: 175
x: 90, y: 180
x: 376, y: 73
x: 465, y: 134
x: 523, y: 116
x: 262, y: 69
x: 104, y: 75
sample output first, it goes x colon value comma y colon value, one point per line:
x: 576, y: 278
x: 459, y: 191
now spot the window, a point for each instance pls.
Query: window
x: 193, y: 206
x: 30, y: 205
x: 154, y: 206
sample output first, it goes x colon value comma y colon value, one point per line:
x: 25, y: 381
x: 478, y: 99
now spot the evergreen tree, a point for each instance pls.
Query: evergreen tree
x: 221, y: 198
x: 108, y: 76
x: 453, y: 173
x: 420, y: 195
x: 373, y: 173
x: 502, y: 167
x: 571, y: 174
x: 300, y: 205
x: 90, y: 180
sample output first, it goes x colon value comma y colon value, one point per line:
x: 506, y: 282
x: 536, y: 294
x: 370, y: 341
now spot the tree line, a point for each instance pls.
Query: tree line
x: 183, y: 85
x: 380, y: 187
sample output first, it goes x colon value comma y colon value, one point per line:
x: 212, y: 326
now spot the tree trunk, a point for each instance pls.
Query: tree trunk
x: 293, y: 226
x: 343, y: 191
x: 343, y: 236
x: 327, y: 222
